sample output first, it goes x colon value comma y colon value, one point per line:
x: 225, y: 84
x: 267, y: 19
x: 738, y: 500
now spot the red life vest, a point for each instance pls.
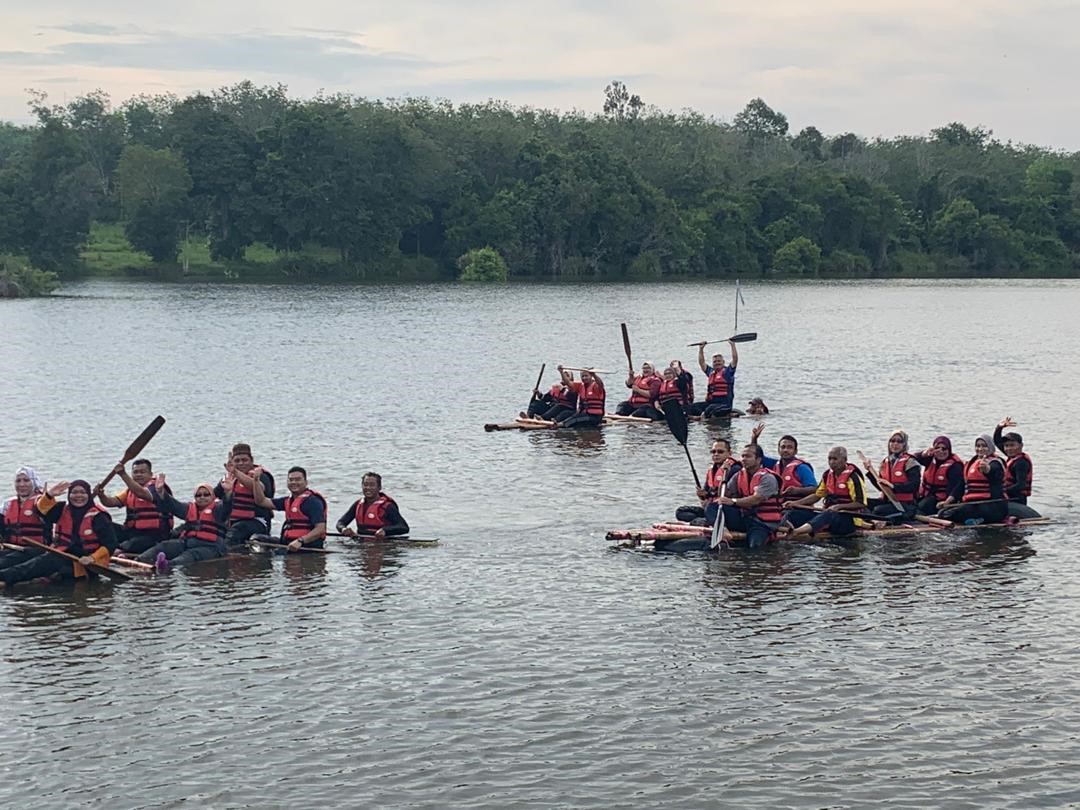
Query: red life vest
x: 768, y: 510
x: 716, y: 475
x: 591, y: 398
x: 786, y: 471
x: 373, y: 516
x: 836, y: 486
x: 21, y: 520
x: 143, y: 517
x: 563, y: 395
x: 243, y: 503
x: 87, y: 537
x: 669, y: 392
x: 297, y: 524
x: 1010, y: 477
x: 202, y: 525
x: 976, y: 483
x: 896, y: 473
x: 718, y: 386
x: 935, y: 478
x: 645, y: 383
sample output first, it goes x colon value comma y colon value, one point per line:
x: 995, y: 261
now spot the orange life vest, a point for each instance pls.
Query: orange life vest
x: 21, y: 520
x: 371, y: 517
x: 1010, y: 477
x: 591, y: 398
x: 202, y: 525
x: 935, y: 478
x: 768, y: 510
x: 646, y: 383
x: 976, y: 482
x: 143, y: 517
x: 836, y: 486
x: 896, y: 473
x: 297, y: 524
x: 87, y: 538
x: 563, y: 395
x: 718, y: 386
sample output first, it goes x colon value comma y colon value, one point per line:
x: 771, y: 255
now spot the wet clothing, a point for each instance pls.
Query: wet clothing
x: 381, y: 513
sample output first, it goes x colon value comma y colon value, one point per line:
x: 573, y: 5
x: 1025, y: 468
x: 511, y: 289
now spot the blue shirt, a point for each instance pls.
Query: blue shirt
x: 804, y: 472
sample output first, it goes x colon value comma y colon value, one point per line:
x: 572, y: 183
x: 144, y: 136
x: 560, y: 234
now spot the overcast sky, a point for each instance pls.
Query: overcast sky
x: 874, y: 67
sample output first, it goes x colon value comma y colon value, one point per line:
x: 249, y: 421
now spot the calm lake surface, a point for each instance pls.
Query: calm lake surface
x: 521, y: 662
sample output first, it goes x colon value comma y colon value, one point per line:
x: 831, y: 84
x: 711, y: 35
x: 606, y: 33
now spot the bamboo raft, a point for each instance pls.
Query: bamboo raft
x: 528, y: 423
x: 646, y: 539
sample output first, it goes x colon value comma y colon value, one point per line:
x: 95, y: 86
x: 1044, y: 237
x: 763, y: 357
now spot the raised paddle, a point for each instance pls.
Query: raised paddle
x: 884, y: 490
x: 590, y: 370
x: 676, y: 422
x: 539, y: 377
x: 744, y: 337
x: 626, y: 348
x: 105, y: 571
x: 136, y: 446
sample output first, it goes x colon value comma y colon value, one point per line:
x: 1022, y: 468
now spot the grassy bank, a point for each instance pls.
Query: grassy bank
x: 109, y: 253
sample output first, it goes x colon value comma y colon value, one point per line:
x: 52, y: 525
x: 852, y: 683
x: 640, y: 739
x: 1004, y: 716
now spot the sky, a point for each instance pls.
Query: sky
x: 879, y: 68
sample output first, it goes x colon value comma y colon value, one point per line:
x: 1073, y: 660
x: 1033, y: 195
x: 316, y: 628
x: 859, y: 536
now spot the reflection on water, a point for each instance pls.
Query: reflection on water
x: 519, y: 663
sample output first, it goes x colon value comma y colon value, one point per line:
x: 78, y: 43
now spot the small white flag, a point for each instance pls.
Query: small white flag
x: 738, y: 293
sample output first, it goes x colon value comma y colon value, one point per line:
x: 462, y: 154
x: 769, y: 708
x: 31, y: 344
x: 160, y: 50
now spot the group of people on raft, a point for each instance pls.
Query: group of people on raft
x: 769, y: 498
x: 219, y: 519
x: 573, y: 404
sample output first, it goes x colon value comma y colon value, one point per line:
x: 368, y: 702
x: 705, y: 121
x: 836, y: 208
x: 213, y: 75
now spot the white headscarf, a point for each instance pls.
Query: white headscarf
x: 35, y: 479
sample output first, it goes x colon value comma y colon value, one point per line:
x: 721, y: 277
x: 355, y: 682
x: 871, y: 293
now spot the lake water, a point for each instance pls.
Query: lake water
x: 522, y: 662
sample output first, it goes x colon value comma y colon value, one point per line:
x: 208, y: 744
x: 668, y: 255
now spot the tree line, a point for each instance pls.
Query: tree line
x: 633, y: 192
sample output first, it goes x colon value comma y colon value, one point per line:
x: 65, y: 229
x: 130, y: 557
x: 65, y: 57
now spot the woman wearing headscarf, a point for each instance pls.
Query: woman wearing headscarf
x: 202, y: 537
x: 79, y: 527
x: 943, y: 477
x: 901, y: 474
x: 983, y: 500
x: 20, y: 520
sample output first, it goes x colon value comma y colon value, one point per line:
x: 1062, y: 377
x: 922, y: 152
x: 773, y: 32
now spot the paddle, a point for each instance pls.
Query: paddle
x: 136, y: 446
x: 676, y: 422
x: 390, y: 538
x: 539, y: 377
x: 718, y: 524
x: 105, y: 571
x: 744, y: 337
x: 884, y: 490
x: 268, y: 544
x: 626, y: 348
x: 590, y: 370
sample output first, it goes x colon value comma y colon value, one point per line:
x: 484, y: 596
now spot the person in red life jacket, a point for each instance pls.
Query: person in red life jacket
x: 752, y: 501
x: 376, y: 514
x: 1018, y: 470
x: 722, y: 468
x: 720, y: 397
x: 558, y: 403
x: 202, y: 535
x: 643, y: 391
x: 797, y: 478
x: 20, y: 520
x: 144, y: 524
x: 983, y: 500
x: 943, y: 477
x: 672, y: 393
x: 901, y: 474
x: 686, y: 381
x: 79, y: 528
x: 304, y: 508
x: 245, y: 516
x: 757, y: 407
x: 843, y: 490
x: 591, y: 400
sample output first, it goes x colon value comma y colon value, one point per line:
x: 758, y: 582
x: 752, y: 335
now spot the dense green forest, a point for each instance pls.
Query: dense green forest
x: 247, y: 181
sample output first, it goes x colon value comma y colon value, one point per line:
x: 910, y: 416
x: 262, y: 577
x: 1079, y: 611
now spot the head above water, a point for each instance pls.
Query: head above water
x: 371, y: 485
x: 297, y: 480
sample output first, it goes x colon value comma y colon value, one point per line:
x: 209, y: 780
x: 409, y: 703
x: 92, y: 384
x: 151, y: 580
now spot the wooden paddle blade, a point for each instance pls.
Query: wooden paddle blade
x: 744, y: 337
x: 626, y: 347
x: 676, y: 422
x: 142, y: 439
x: 540, y: 376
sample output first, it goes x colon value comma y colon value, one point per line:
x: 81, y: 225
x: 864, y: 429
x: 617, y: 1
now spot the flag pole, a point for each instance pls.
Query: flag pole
x: 736, y: 331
